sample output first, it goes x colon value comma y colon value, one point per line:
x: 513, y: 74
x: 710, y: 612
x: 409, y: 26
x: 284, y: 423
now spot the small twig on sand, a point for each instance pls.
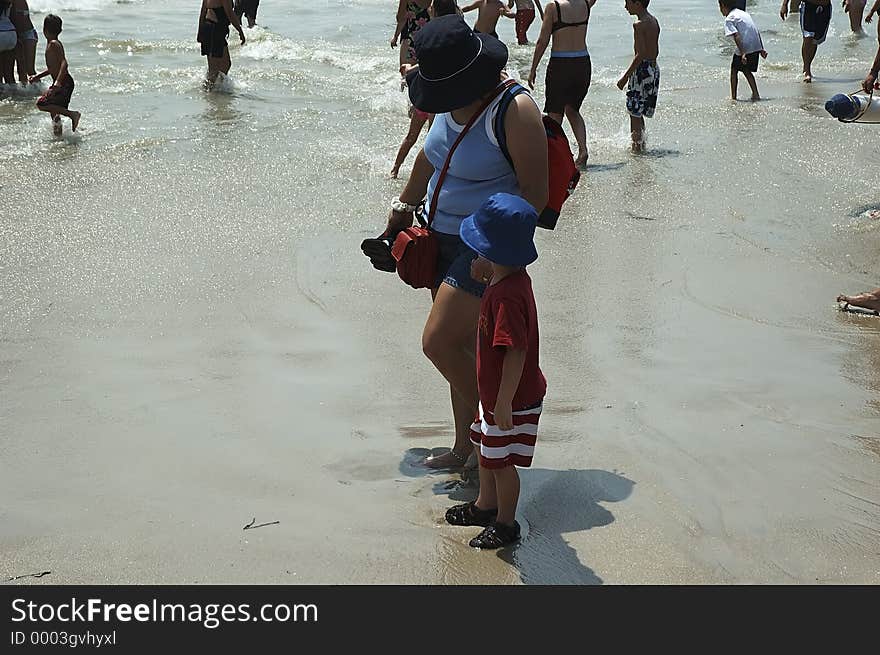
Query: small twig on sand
x: 251, y: 526
x: 28, y: 575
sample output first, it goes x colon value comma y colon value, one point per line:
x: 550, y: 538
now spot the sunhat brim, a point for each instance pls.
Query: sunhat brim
x: 518, y: 253
x: 480, y: 77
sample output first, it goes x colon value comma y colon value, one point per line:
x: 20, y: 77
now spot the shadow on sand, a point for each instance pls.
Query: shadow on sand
x: 552, y: 504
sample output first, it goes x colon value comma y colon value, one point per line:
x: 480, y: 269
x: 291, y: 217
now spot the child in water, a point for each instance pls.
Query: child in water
x: 57, y: 99
x: 642, y: 78
x: 739, y: 25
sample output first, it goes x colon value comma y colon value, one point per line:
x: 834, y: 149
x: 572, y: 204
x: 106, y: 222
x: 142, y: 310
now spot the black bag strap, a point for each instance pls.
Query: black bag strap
x: 498, y: 124
x: 501, y: 88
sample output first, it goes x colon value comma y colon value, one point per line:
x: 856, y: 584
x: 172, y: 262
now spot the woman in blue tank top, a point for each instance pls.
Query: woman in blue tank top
x: 459, y: 70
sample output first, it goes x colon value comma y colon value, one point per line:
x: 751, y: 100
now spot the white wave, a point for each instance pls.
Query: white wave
x: 46, y: 6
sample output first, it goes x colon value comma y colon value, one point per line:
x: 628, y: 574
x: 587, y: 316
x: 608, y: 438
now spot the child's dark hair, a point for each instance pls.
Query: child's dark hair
x: 52, y: 24
x: 725, y: 4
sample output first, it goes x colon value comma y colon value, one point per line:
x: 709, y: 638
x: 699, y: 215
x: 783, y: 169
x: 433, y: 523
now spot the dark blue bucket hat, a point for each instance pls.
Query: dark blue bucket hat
x: 502, y: 230
x: 456, y: 65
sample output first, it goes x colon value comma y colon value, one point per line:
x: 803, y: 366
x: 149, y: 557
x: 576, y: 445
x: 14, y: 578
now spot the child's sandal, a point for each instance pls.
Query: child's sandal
x: 496, y: 535
x: 470, y: 514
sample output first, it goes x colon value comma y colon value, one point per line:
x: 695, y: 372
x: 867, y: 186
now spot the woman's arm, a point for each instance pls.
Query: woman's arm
x: 527, y: 145
x: 543, y: 42
x: 401, y: 21
x: 413, y: 193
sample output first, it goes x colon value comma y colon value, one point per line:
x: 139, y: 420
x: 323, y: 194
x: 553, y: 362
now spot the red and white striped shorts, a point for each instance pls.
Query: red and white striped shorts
x: 514, y: 447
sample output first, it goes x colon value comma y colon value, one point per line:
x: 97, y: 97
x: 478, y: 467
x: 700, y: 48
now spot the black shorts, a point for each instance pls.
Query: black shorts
x: 213, y: 39
x: 566, y: 83
x: 751, y: 64
x: 814, y: 21
x: 58, y: 95
x: 247, y: 7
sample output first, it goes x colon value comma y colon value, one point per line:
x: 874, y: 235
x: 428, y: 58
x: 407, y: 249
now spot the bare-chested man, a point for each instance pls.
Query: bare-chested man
x: 489, y: 11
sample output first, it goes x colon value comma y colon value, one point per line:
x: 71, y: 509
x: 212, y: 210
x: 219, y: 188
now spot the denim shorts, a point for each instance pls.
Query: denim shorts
x: 454, y: 265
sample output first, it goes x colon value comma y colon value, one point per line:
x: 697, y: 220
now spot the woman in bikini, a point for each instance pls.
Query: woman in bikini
x: 26, y: 50
x: 412, y: 15
x: 569, y: 71
x: 214, y: 20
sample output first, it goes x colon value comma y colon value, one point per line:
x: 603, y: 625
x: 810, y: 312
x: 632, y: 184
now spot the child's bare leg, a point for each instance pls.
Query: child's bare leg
x: 507, y: 491
x: 488, y: 496
x: 637, y: 130
x: 579, y: 127
x: 416, y: 122
x: 213, y: 71
x: 734, y: 81
x: 750, y: 78
x: 55, y: 111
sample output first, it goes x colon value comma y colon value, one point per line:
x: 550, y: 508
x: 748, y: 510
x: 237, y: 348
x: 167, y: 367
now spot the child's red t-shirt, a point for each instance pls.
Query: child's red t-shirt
x: 509, y: 319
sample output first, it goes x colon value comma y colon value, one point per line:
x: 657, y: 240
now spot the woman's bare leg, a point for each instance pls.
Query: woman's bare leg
x: 448, y: 340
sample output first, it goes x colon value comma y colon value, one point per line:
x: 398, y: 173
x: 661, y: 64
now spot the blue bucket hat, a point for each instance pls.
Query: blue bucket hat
x: 502, y: 230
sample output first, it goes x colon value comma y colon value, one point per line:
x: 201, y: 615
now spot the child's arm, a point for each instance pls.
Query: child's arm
x: 875, y: 9
x: 37, y: 77
x: 505, y: 11
x: 637, y: 58
x: 511, y: 372
x: 472, y: 6
x: 401, y: 21
x: 233, y: 18
x: 542, y: 43
x: 739, y: 44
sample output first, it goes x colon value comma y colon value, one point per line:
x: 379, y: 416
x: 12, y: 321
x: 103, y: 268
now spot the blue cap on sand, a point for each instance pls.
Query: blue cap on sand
x: 502, y: 230
x: 841, y: 106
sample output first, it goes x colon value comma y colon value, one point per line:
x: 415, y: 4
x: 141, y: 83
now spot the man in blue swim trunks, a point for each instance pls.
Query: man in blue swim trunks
x: 815, y: 16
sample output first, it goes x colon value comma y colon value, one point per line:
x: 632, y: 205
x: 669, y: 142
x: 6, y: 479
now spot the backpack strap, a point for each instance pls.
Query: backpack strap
x: 498, y: 124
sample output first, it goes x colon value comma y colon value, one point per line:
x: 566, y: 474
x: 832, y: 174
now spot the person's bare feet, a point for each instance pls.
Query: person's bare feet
x: 808, y: 77
x: 56, y: 126
x: 74, y: 119
x: 394, y: 173
x: 867, y: 300
x: 755, y: 98
x: 447, y: 460
x: 581, y: 161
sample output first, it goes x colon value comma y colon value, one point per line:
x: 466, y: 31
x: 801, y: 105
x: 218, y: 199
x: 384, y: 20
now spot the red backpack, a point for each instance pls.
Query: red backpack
x: 563, y: 175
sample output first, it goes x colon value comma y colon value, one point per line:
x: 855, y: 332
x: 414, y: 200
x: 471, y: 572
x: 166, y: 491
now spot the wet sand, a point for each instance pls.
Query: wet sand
x: 190, y: 339
x: 711, y: 430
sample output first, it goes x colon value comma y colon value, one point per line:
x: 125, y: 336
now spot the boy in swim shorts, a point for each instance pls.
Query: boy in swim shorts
x: 642, y: 78
x: 739, y: 25
x: 57, y: 99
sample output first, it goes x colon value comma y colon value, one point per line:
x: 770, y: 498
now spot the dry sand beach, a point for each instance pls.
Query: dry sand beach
x: 190, y: 338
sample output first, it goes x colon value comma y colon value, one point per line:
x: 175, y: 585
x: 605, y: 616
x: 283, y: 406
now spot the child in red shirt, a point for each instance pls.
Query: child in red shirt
x: 510, y: 381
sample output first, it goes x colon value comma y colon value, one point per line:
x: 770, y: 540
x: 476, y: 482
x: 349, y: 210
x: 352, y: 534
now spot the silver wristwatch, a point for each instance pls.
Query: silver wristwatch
x: 402, y: 207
